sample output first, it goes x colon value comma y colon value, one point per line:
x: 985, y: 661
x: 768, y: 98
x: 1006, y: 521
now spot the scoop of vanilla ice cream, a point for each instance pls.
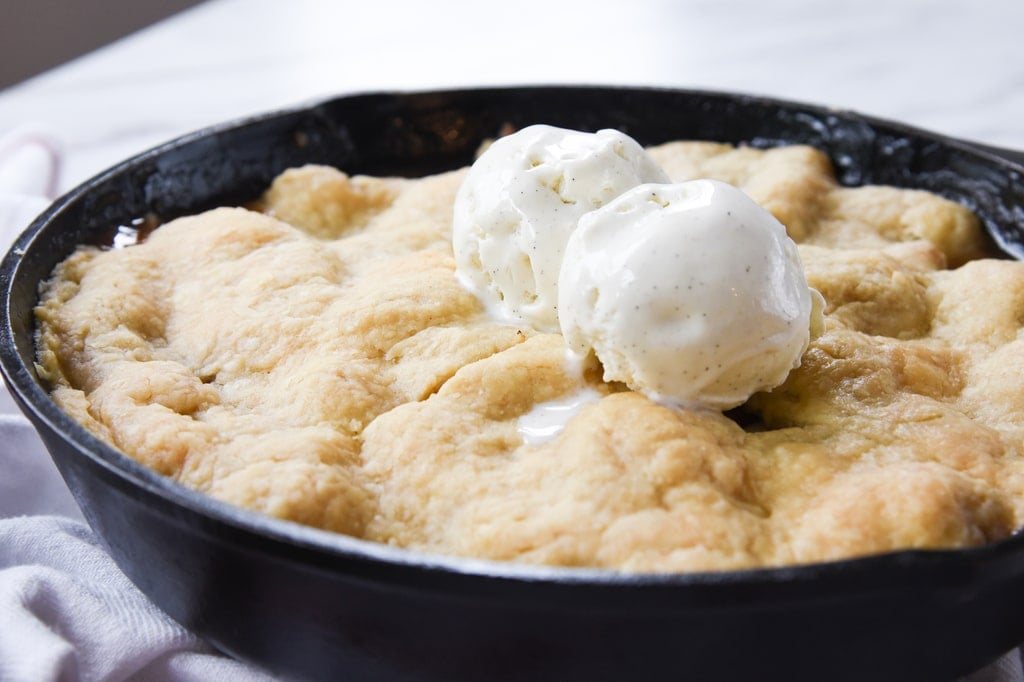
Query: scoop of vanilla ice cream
x: 520, y: 202
x: 690, y: 293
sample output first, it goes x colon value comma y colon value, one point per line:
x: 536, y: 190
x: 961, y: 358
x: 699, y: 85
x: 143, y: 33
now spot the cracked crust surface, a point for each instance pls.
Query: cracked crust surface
x: 318, y: 361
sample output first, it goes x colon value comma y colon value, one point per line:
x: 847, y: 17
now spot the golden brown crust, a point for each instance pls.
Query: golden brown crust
x: 322, y: 364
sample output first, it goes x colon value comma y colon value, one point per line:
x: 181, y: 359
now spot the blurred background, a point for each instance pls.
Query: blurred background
x: 41, y: 34
x: 947, y: 65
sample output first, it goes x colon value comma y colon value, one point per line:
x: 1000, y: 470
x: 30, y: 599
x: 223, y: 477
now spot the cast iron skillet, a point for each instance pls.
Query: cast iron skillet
x: 312, y: 604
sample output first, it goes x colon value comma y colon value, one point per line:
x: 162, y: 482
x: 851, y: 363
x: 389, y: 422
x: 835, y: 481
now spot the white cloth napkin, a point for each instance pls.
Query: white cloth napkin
x: 66, y: 611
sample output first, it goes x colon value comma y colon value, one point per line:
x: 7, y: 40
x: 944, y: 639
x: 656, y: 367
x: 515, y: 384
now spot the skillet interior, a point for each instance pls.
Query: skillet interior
x: 314, y: 604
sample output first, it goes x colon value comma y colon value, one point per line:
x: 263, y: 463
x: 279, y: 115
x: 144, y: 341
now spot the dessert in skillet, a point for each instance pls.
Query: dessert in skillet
x: 529, y: 360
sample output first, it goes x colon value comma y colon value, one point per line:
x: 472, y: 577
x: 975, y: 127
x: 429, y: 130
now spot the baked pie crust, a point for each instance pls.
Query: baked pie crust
x: 317, y: 360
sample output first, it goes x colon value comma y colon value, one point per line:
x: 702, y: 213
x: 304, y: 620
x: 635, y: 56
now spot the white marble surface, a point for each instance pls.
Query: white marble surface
x: 947, y: 65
